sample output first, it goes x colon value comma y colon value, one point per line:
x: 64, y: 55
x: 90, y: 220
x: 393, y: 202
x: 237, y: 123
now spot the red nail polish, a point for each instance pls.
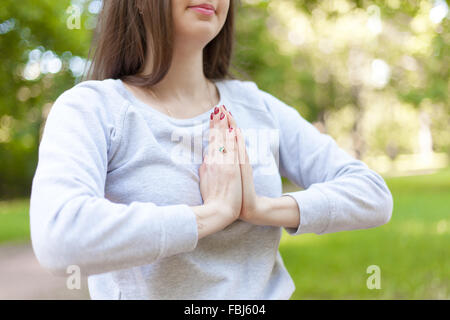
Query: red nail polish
x: 224, y: 107
x: 216, y: 110
x: 212, y: 116
x: 222, y: 115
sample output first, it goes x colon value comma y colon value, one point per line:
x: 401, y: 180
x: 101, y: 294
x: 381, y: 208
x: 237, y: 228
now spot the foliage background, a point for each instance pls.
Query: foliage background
x: 373, y: 74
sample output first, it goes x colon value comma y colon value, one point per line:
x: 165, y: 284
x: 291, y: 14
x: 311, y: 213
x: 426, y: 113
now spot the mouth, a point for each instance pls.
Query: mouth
x: 204, y: 8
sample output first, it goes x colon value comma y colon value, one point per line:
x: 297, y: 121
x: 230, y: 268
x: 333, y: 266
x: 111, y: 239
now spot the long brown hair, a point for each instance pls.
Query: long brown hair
x: 120, y: 43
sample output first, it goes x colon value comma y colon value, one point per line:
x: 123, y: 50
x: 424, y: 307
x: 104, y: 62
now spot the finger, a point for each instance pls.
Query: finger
x: 231, y: 121
x: 218, y: 130
x: 209, y: 154
x: 213, y: 135
x: 215, y: 139
x: 232, y: 129
x: 202, y: 167
x: 215, y: 124
x: 222, y: 119
x: 243, y: 156
x: 236, y: 149
x: 211, y: 120
x: 216, y: 117
x: 245, y: 166
x: 230, y: 147
x: 221, y: 124
x: 206, y: 160
x: 218, y: 141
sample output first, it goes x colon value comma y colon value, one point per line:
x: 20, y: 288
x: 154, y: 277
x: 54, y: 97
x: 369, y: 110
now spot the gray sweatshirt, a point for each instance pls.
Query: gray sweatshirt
x: 115, y: 179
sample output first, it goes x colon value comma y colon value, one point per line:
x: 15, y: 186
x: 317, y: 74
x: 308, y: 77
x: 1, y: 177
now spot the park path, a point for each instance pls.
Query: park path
x: 21, y: 277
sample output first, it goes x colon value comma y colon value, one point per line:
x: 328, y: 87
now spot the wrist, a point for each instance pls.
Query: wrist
x: 279, y: 212
x: 207, y: 221
x: 211, y: 218
x: 221, y: 210
x: 260, y: 211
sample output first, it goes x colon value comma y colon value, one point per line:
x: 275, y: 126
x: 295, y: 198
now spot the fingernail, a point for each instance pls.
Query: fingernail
x: 224, y: 107
x: 222, y: 115
x: 216, y: 110
x: 212, y: 116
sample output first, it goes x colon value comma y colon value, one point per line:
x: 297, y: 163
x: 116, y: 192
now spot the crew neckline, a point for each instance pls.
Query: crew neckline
x: 187, y: 121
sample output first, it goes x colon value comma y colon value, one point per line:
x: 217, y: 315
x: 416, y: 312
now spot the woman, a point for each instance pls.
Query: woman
x: 146, y: 181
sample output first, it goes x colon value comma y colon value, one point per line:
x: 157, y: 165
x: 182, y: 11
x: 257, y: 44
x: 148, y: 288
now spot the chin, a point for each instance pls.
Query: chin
x: 199, y: 29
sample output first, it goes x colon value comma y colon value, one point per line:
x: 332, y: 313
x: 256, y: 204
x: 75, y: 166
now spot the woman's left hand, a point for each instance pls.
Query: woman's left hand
x: 252, y: 205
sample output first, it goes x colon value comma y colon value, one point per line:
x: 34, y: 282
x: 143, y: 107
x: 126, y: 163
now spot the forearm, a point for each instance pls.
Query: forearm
x: 280, y: 212
x: 100, y: 236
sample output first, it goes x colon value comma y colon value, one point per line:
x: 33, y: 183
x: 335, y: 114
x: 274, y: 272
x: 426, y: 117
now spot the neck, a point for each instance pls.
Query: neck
x: 185, y: 79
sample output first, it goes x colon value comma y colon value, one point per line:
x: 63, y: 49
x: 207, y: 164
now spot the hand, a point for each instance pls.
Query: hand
x: 253, y: 206
x: 220, y: 176
x: 239, y: 190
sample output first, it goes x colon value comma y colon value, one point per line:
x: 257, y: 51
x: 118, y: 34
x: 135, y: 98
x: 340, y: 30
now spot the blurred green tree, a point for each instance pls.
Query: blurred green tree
x: 362, y: 69
x: 36, y: 51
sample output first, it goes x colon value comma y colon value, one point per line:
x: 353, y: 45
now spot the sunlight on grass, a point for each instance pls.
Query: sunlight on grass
x: 412, y: 250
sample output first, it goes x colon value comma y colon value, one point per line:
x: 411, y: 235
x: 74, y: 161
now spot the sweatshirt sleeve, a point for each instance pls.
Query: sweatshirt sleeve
x: 71, y: 221
x: 340, y: 192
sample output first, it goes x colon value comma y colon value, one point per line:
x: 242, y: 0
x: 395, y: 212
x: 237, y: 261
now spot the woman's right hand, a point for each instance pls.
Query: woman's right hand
x: 220, y: 178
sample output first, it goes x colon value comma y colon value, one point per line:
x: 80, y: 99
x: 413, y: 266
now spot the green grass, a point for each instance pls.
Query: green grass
x: 14, y: 221
x: 412, y: 250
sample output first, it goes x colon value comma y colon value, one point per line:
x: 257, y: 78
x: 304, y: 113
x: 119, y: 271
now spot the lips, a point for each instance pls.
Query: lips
x: 205, y: 6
